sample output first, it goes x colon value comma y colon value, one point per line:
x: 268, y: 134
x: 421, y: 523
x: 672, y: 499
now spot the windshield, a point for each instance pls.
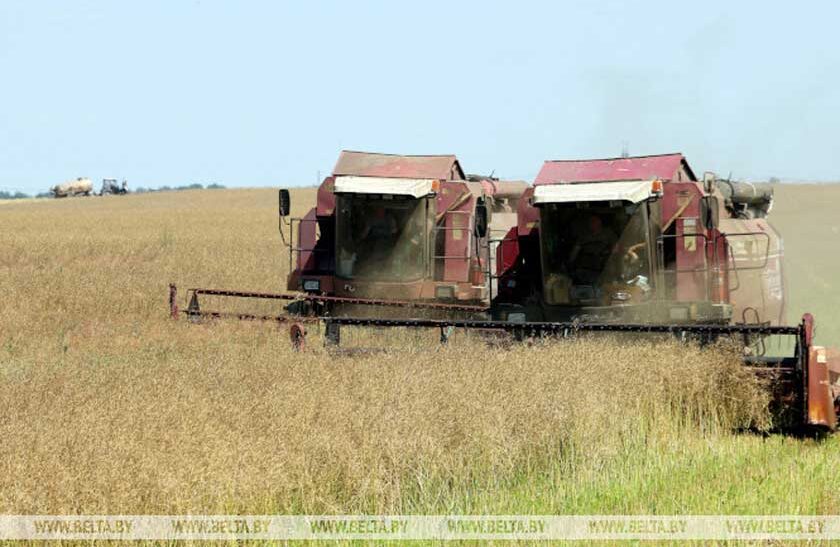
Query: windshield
x: 590, y: 253
x: 381, y: 239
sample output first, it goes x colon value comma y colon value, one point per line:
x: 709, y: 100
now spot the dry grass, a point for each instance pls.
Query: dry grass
x: 109, y: 407
x: 249, y: 426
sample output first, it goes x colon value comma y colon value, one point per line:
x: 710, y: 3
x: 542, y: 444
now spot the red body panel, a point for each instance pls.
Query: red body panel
x: 326, y: 198
x: 821, y: 400
x: 307, y: 237
x: 456, y: 202
x: 681, y: 212
x: 507, y: 252
x: 528, y: 216
x: 718, y: 251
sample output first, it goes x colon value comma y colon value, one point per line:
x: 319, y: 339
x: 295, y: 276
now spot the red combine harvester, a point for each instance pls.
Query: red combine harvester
x: 641, y: 240
x: 406, y: 228
x: 401, y: 236
x: 640, y: 245
x: 623, y: 245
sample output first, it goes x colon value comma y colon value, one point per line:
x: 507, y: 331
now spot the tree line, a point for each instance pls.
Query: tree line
x: 140, y: 190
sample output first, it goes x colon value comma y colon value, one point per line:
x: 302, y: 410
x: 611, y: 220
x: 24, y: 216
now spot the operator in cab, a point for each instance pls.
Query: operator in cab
x: 381, y: 227
x: 591, y: 251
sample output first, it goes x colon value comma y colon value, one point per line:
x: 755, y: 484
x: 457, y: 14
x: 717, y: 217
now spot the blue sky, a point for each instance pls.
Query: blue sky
x: 266, y: 93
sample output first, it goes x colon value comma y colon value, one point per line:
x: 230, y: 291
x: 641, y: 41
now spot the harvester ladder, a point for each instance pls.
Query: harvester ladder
x: 441, y: 227
x: 295, y: 250
x: 491, y: 248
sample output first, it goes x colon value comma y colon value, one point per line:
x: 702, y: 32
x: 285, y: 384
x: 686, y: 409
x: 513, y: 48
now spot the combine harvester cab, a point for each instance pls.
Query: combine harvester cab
x: 411, y: 229
x: 641, y: 245
x: 390, y: 236
x: 639, y: 240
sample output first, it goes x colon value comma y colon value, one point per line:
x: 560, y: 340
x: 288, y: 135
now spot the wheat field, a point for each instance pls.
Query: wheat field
x: 110, y: 407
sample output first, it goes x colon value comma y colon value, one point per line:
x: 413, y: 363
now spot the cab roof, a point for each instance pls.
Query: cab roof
x: 661, y: 166
x: 371, y: 164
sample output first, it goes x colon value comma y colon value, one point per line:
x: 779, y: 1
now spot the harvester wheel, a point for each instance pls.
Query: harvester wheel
x: 297, y: 333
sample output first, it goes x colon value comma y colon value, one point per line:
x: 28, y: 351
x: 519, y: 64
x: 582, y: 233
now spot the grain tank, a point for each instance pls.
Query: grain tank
x: 82, y: 186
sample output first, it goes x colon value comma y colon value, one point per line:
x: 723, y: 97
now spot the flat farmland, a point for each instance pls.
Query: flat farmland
x: 807, y: 217
x: 110, y: 407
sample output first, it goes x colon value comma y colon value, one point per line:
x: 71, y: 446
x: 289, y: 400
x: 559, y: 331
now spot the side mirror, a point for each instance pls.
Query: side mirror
x: 709, y: 212
x: 285, y: 202
x: 482, y: 219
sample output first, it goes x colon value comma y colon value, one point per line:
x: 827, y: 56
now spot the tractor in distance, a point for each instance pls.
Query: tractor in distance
x: 111, y: 186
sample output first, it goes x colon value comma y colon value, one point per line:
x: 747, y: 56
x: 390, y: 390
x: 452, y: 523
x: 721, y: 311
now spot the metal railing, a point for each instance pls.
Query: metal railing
x: 765, y: 258
x: 712, y: 262
x: 295, y: 251
x: 492, y: 248
x: 444, y: 229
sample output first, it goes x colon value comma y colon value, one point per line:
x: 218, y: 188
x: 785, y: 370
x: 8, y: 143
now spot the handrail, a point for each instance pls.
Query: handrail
x: 763, y: 265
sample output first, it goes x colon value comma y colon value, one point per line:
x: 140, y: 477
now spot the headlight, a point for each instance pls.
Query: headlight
x: 516, y: 317
x: 445, y: 292
x: 312, y: 285
x: 621, y: 296
x: 678, y: 314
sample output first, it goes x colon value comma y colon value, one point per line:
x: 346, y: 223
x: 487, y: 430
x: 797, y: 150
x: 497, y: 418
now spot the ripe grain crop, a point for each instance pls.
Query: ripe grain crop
x: 111, y: 407
x: 248, y: 425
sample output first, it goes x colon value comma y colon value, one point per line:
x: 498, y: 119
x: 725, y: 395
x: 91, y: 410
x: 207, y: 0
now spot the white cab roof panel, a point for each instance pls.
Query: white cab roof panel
x: 416, y: 188
x: 634, y: 191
